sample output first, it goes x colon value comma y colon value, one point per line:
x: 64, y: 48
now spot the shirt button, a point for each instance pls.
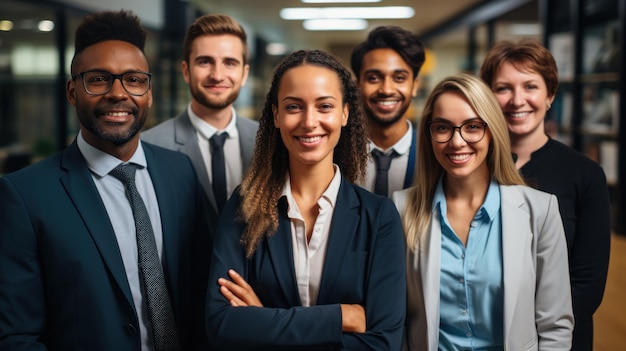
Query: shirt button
x: 469, y: 334
x: 464, y: 312
x: 461, y: 281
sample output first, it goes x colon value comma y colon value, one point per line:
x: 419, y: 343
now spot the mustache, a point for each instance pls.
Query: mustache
x: 103, y: 108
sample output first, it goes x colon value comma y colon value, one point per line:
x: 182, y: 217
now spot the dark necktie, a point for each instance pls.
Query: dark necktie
x: 218, y: 169
x: 382, y: 171
x: 155, y: 292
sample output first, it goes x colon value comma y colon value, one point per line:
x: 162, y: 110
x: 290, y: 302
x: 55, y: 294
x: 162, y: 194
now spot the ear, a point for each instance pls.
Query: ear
x: 70, y: 91
x: 346, y: 115
x: 185, y: 69
x: 246, y: 70
x: 416, y: 85
x: 275, y: 113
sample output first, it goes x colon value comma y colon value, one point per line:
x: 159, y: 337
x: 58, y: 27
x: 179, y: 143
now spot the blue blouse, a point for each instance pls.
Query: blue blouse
x: 471, y: 285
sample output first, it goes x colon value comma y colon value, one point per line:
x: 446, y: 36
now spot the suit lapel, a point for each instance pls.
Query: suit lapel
x: 81, y: 189
x: 342, y: 231
x: 246, y: 142
x: 185, y: 136
x: 279, y: 247
x: 515, y: 246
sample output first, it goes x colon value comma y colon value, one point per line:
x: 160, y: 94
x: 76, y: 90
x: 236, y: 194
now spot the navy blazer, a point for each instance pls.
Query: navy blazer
x: 365, y: 264
x: 62, y: 279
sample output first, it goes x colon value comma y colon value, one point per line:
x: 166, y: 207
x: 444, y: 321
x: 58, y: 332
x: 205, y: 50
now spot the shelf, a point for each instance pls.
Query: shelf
x: 608, y: 77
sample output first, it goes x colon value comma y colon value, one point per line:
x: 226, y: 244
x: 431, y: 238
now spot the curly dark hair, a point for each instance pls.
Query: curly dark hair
x: 109, y: 25
x: 405, y: 43
x: 262, y: 185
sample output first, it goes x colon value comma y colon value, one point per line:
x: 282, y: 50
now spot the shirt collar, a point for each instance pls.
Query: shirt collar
x: 328, y: 198
x: 402, y: 146
x: 206, y: 130
x: 490, y: 206
x: 101, y: 163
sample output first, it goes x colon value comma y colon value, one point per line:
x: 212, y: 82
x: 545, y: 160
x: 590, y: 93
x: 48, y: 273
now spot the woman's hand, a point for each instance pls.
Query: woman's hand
x: 238, y: 292
x: 353, y: 318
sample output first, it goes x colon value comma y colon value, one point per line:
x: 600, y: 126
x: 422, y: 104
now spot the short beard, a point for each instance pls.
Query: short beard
x: 117, y: 139
x: 206, y: 102
x: 384, y: 122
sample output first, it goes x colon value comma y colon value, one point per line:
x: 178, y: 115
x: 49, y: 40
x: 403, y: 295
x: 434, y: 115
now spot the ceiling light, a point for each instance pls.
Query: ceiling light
x: 304, y: 13
x: 334, y: 24
x: 45, y: 26
x: 276, y: 49
x: 337, y: 1
x: 6, y: 25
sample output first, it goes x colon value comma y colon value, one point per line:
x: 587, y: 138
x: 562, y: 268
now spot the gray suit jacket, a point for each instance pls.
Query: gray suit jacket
x: 179, y: 134
x: 537, y: 297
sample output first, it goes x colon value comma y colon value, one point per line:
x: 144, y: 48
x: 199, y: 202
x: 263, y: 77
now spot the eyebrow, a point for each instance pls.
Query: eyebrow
x: 441, y: 119
x: 378, y: 71
x: 317, y: 99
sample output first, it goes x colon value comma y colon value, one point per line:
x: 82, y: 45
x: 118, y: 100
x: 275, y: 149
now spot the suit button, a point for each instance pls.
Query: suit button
x: 131, y: 329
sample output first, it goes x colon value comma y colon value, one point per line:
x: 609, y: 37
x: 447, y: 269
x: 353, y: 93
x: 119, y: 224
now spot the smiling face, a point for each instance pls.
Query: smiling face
x: 523, y: 97
x: 459, y: 159
x: 387, y: 86
x: 310, y: 114
x: 215, y: 72
x: 115, y: 118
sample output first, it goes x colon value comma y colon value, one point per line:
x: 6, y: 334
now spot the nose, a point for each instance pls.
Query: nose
x: 117, y: 88
x: 457, y: 140
x: 517, y: 98
x: 309, y: 119
x: 387, y: 86
x: 217, y: 73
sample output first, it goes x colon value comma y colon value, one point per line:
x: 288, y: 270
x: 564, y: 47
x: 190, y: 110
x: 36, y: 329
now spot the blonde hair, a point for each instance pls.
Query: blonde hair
x: 418, y: 211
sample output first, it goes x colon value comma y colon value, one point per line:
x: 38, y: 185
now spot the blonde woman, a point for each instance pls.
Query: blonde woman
x: 486, y: 257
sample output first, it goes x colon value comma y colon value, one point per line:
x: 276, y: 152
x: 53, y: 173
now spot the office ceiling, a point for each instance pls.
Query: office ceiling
x: 263, y: 17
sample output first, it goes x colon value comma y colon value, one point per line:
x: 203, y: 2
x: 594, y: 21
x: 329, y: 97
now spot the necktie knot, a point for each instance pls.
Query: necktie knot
x: 217, y: 140
x: 383, y: 161
x: 125, y: 173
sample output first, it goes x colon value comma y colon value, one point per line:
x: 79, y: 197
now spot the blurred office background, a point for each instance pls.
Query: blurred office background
x: 585, y: 36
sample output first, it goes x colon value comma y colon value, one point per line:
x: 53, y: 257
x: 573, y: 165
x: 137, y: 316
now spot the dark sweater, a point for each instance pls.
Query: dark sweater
x: 580, y: 186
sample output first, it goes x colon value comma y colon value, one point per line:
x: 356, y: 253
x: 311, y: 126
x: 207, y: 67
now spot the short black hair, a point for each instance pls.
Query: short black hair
x: 405, y: 43
x: 110, y: 25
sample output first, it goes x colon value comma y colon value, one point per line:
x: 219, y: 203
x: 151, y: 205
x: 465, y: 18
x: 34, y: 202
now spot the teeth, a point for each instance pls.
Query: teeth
x: 310, y: 139
x: 117, y: 114
x: 387, y: 103
x: 459, y: 157
x: 518, y: 114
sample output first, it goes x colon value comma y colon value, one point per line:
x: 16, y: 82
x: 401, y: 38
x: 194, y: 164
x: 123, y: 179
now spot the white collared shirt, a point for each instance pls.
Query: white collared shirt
x: 397, y: 169
x: 113, y: 195
x: 232, y: 149
x: 308, y: 258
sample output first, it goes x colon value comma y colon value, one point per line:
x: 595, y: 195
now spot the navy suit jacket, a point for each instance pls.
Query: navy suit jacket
x: 62, y: 279
x: 365, y: 264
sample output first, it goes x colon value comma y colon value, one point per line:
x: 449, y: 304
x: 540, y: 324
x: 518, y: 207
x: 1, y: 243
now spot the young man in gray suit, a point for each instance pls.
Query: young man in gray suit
x: 215, y: 66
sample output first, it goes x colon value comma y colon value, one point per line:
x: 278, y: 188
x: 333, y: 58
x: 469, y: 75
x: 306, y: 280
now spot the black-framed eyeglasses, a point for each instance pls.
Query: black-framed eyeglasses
x: 100, y: 82
x: 470, y: 131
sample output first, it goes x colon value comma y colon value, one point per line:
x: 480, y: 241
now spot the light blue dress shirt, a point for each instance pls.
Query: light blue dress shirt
x: 471, y: 286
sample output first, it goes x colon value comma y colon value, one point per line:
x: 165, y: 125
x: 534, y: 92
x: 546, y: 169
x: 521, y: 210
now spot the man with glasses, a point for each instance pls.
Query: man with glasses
x: 105, y: 246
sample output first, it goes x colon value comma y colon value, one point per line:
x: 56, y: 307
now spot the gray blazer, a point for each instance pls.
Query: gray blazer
x: 179, y: 134
x: 537, y: 297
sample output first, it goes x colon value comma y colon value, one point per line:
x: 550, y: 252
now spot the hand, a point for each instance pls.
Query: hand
x: 238, y: 292
x: 353, y: 318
